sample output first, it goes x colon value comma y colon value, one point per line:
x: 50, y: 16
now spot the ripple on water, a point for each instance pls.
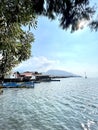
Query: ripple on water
x: 66, y: 105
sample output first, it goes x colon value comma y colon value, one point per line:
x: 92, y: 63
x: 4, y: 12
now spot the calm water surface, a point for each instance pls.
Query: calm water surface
x: 71, y: 104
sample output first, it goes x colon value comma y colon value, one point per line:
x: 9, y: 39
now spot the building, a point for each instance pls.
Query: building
x: 25, y: 75
x: 43, y: 78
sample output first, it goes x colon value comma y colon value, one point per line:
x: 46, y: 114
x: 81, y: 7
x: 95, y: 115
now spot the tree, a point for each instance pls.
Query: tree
x: 15, y: 46
x: 15, y: 43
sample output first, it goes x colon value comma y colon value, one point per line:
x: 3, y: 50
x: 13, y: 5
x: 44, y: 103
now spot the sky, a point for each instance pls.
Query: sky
x: 55, y: 48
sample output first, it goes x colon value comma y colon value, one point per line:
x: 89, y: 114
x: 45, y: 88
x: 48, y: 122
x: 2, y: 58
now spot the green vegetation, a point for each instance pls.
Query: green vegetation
x: 15, y: 43
x: 15, y: 46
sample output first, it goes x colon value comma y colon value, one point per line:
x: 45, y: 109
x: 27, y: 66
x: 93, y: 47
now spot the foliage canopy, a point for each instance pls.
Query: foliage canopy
x: 15, y: 46
x: 69, y: 12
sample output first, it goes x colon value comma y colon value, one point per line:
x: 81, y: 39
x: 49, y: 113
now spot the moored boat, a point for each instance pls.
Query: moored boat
x: 18, y: 85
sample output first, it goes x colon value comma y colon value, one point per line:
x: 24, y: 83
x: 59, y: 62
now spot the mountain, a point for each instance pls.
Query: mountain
x: 60, y: 73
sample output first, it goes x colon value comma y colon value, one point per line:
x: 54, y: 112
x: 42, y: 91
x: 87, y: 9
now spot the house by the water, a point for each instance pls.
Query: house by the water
x: 25, y: 75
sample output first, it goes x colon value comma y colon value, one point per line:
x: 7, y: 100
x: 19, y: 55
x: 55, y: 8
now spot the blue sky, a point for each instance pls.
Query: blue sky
x: 55, y: 48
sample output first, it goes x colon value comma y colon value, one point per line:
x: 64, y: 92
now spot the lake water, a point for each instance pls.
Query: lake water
x: 71, y: 104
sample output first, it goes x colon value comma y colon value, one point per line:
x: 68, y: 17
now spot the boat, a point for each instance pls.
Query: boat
x: 17, y: 80
x: 28, y: 84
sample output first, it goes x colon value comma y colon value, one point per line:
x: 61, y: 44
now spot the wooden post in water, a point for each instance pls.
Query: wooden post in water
x: 1, y: 87
x: 85, y: 76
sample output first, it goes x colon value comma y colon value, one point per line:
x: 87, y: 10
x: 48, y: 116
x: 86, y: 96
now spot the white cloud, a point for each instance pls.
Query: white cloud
x: 40, y: 64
